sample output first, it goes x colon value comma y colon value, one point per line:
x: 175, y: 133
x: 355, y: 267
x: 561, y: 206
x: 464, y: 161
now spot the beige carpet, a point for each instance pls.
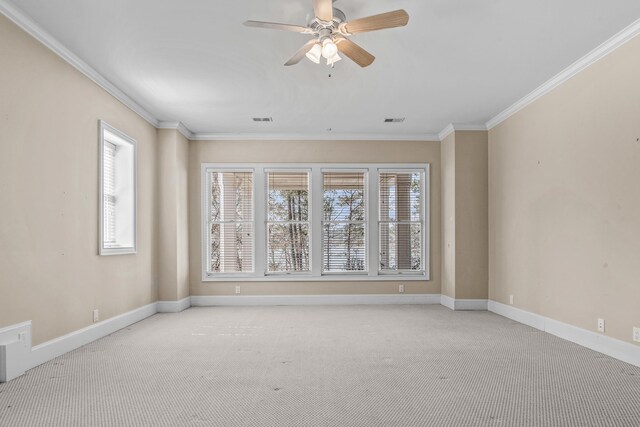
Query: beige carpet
x: 326, y: 366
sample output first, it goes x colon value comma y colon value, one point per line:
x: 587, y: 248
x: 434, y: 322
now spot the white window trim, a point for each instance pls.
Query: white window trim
x: 108, y: 250
x: 315, y: 240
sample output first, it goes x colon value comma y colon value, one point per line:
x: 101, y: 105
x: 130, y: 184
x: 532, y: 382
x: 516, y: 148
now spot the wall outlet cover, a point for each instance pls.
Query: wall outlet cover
x: 401, y: 289
x: 600, y: 325
x: 636, y: 334
x: 96, y: 315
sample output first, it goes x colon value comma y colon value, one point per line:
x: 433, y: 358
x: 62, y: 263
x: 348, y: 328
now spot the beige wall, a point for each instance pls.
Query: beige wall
x: 448, y: 191
x: 173, y: 239
x: 49, y: 268
x: 311, y: 151
x: 472, y: 215
x: 565, y: 199
x: 182, y: 218
x: 465, y: 239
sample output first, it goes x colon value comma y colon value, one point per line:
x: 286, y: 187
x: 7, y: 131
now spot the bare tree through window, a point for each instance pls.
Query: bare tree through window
x: 288, y: 221
x: 344, y: 222
x: 231, y: 223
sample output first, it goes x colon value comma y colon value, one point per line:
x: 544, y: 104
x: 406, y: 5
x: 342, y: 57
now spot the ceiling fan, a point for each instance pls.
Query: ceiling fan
x: 331, y: 29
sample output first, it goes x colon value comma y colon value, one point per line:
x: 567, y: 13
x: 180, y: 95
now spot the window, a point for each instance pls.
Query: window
x: 109, y: 193
x: 117, y: 192
x: 231, y: 222
x: 344, y: 225
x: 314, y: 221
x: 401, y: 221
x: 288, y: 222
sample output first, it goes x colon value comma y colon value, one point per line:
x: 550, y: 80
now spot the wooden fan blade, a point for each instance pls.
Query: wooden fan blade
x: 323, y: 10
x: 297, y: 57
x: 397, y: 18
x: 276, y: 26
x: 355, y: 52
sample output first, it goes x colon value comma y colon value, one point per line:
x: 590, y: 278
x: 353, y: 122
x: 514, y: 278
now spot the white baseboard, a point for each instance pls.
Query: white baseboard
x: 448, y: 302
x: 12, y: 333
x: 472, y: 304
x: 17, y: 355
x: 15, y: 348
x: 521, y: 316
x: 56, y: 347
x: 613, y: 347
x: 464, y: 304
x: 174, y: 306
x: 253, y: 300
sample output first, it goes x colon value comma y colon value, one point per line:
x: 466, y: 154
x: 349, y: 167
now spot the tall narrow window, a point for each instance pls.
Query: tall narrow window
x: 288, y: 221
x: 344, y: 225
x: 231, y: 222
x: 117, y: 192
x: 401, y: 221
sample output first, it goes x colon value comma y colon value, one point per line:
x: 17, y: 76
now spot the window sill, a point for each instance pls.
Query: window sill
x: 117, y: 251
x: 326, y: 278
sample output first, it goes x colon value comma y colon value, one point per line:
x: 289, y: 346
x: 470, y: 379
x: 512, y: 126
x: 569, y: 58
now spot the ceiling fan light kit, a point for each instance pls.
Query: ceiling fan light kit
x: 331, y: 30
x: 329, y: 48
x: 315, y: 53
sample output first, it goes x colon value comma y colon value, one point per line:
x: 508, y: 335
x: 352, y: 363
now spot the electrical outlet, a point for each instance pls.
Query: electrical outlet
x: 96, y: 315
x: 636, y: 334
x: 237, y: 289
x: 600, y: 325
x: 401, y: 289
x: 511, y: 299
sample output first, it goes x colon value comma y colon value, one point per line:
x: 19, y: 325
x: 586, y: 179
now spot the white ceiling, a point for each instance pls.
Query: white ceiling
x: 460, y: 61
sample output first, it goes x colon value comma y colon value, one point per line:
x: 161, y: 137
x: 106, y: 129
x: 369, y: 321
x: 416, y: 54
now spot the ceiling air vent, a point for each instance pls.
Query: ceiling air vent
x: 262, y: 119
x: 395, y: 120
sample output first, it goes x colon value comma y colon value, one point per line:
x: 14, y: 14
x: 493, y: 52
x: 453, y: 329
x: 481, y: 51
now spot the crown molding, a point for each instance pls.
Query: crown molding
x: 179, y: 126
x: 453, y: 127
x: 589, y: 59
x: 448, y: 130
x: 32, y: 28
x: 36, y: 31
x: 313, y: 137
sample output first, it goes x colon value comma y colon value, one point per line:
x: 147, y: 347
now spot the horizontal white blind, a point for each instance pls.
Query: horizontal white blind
x: 401, y: 225
x: 109, y: 193
x: 288, y: 221
x: 231, y: 222
x: 344, y: 226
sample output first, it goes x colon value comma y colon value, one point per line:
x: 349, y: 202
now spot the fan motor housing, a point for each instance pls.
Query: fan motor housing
x: 338, y: 17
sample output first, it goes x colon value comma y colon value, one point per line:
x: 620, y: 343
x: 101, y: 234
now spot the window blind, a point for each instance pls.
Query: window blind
x: 231, y: 224
x: 109, y: 193
x: 400, y: 226
x: 344, y: 224
x: 288, y: 225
